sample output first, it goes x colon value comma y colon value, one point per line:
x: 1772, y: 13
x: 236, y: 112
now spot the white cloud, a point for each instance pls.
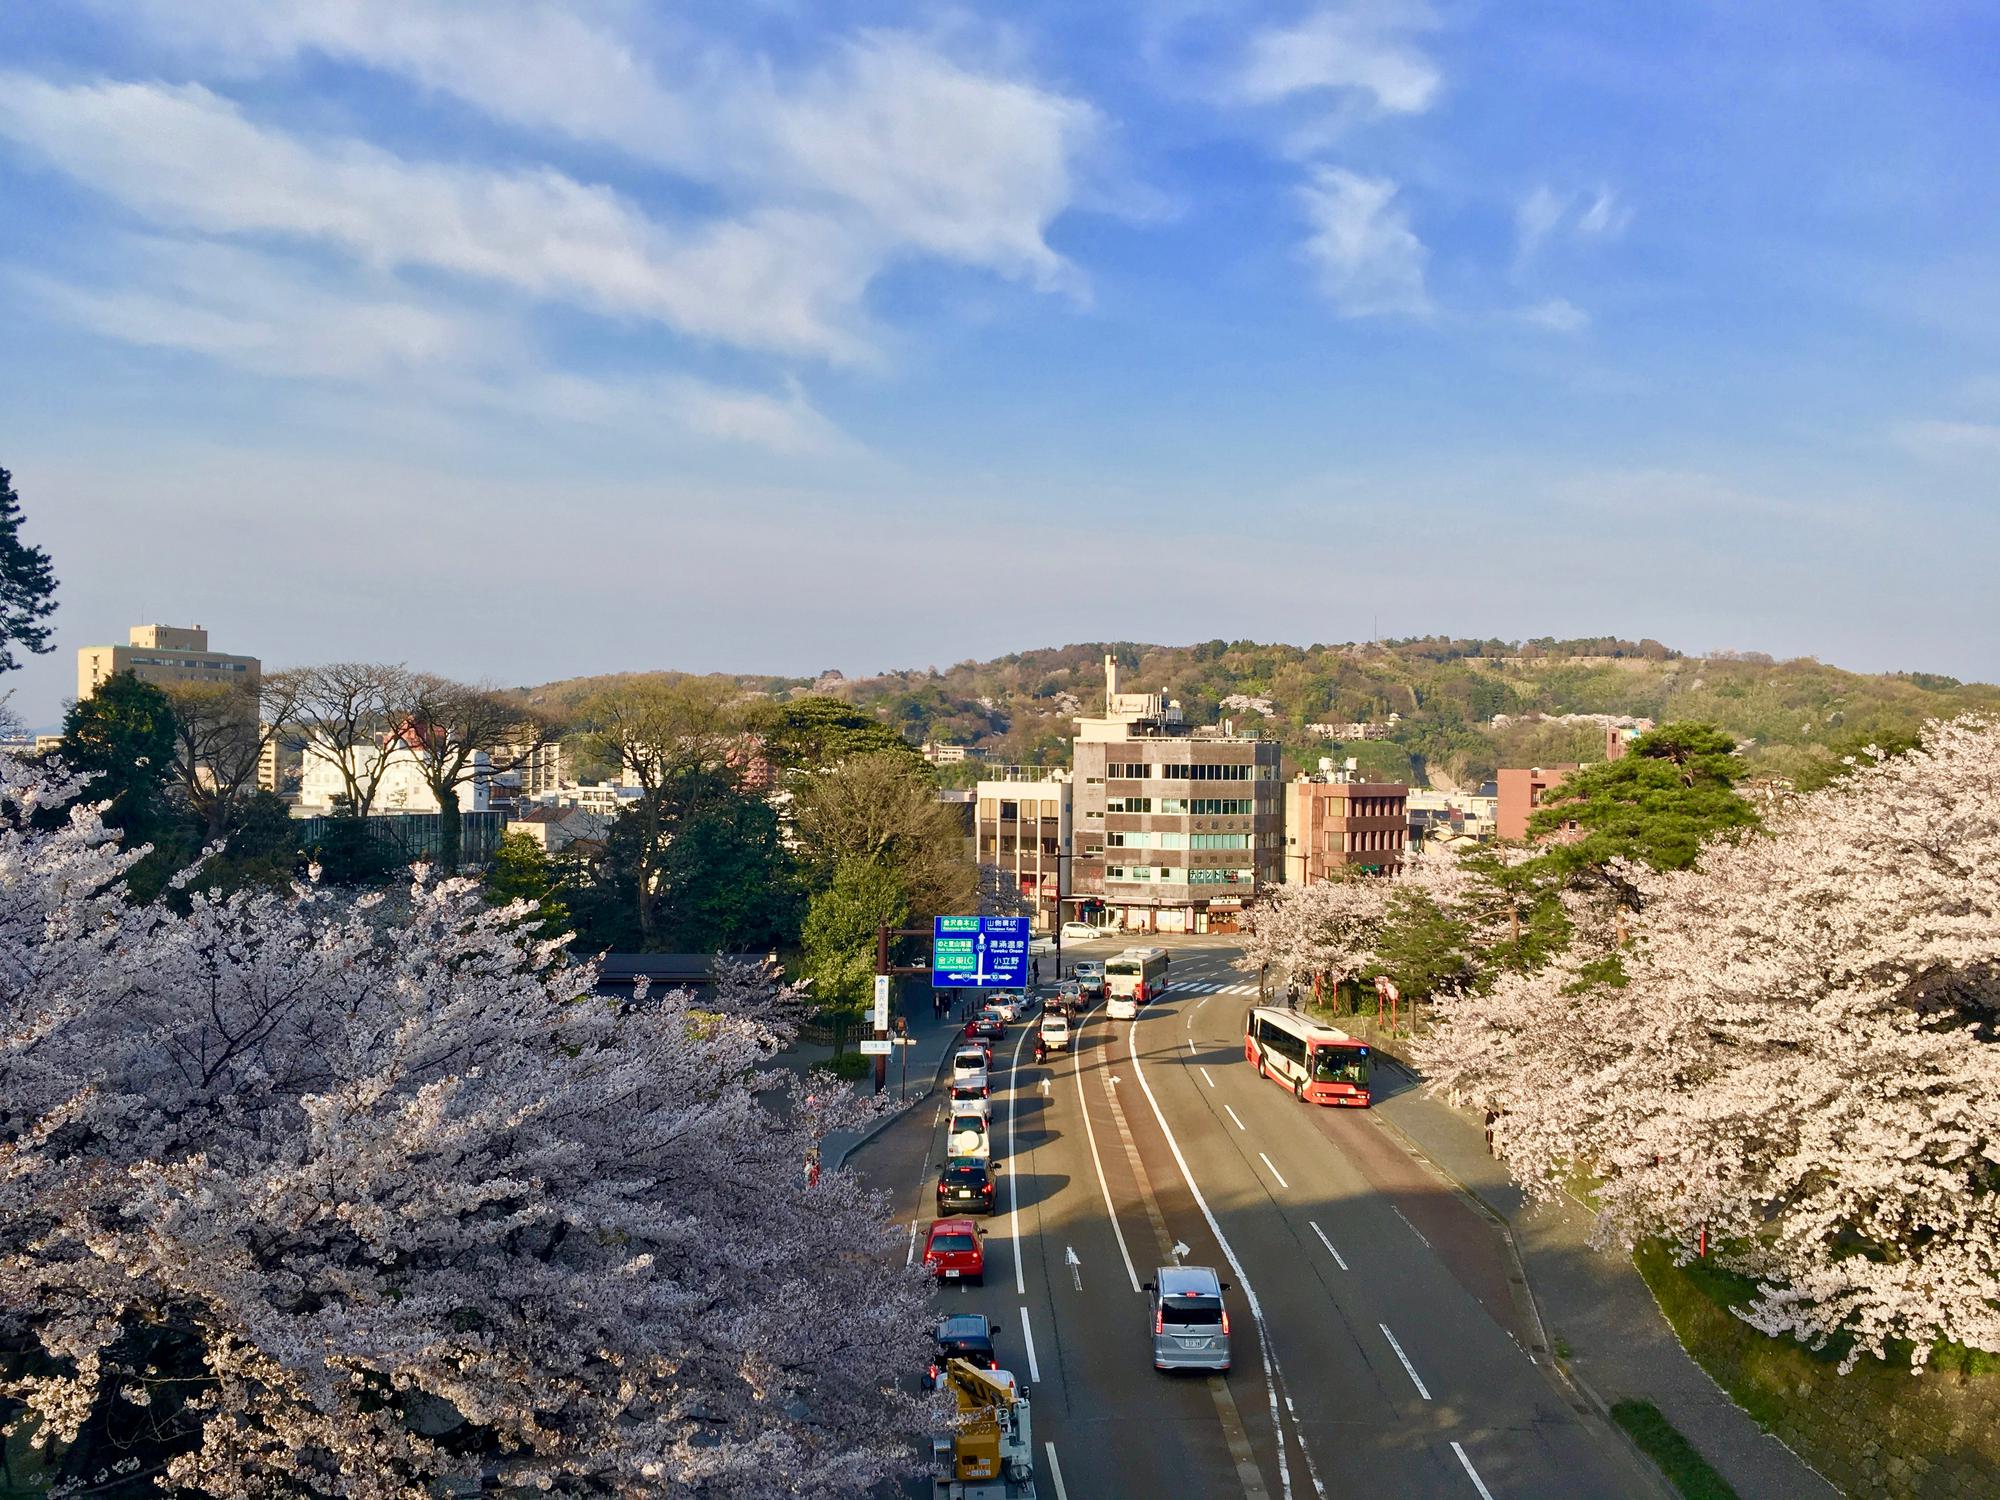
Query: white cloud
x: 905, y: 147
x: 184, y: 157
x: 1543, y: 213
x: 1942, y: 440
x: 1362, y: 49
x: 1368, y: 259
x: 1557, y: 314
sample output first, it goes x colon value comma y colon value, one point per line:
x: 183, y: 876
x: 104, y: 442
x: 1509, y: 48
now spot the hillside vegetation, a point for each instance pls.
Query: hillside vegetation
x: 1793, y: 717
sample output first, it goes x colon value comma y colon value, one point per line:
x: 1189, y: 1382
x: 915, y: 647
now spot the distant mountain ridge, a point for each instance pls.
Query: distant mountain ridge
x: 1444, y: 692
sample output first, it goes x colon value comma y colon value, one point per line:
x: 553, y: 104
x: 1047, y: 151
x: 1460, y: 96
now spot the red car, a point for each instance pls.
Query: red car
x: 953, y: 1251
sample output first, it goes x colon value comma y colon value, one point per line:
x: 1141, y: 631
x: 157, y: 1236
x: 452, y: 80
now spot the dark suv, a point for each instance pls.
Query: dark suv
x: 967, y: 1336
x: 965, y: 1186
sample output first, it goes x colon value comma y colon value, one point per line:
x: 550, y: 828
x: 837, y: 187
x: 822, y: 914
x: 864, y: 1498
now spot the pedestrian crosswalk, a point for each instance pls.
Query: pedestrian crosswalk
x: 1207, y: 987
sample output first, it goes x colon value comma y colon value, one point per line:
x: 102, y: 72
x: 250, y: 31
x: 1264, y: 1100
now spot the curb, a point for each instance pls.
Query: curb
x: 836, y: 1161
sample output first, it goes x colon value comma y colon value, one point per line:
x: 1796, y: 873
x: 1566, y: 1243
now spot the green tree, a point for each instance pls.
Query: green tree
x: 840, y: 931
x: 1671, y: 792
x: 260, y: 848
x: 122, y: 737
x: 884, y: 808
x: 27, y: 585
x: 349, y: 853
x: 522, y: 871
x: 728, y: 882
x: 811, y: 733
x: 1426, y: 950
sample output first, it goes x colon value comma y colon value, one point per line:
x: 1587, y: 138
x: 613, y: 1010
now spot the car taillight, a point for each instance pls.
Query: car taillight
x: 1160, y: 1319
x: 933, y: 1374
x: 1225, y: 1322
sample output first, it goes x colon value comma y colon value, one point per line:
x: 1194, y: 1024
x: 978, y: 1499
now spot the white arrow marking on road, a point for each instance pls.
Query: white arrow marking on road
x: 1470, y: 1473
x: 1408, y: 1368
x: 1116, y: 1079
x: 1329, y: 1245
x: 1179, y: 1251
x: 1075, y: 1266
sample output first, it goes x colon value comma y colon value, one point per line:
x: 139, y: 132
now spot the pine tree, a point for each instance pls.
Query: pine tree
x: 27, y: 585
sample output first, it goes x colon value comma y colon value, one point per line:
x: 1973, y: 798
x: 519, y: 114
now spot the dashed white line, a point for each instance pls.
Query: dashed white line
x: 1470, y: 1473
x: 1274, y: 1171
x: 1191, y: 1051
x: 1329, y: 1245
x: 1028, y: 1341
x: 1409, y: 1226
x: 1211, y: 1081
x: 1055, y: 1473
x: 1232, y: 1115
x: 1408, y: 1368
x: 911, y: 1258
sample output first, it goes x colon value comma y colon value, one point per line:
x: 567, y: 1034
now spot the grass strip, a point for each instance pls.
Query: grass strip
x: 1662, y: 1442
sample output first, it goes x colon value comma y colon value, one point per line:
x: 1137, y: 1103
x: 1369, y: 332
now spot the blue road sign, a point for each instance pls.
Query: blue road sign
x: 979, y: 953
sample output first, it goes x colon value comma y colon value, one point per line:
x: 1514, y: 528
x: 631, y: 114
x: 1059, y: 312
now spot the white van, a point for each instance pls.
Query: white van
x: 1055, y: 1032
x: 969, y: 1136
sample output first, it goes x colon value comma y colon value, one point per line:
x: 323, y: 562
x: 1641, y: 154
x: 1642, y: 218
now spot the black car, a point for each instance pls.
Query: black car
x: 965, y: 1186
x: 966, y: 1336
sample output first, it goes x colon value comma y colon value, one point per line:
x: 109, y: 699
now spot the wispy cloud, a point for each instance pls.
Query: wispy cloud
x: 1366, y: 51
x: 186, y: 158
x: 1557, y: 314
x: 907, y: 148
x: 1367, y: 258
x: 1949, y: 441
x: 1543, y: 214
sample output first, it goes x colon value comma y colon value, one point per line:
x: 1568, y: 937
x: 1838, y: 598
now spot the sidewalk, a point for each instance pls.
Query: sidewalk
x: 934, y: 1038
x: 1603, y: 1326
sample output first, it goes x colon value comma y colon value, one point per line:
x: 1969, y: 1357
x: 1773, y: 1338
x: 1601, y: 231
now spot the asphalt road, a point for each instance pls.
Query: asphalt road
x: 1380, y: 1344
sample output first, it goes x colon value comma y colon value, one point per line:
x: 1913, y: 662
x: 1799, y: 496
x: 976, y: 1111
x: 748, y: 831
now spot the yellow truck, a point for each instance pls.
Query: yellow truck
x: 990, y: 1454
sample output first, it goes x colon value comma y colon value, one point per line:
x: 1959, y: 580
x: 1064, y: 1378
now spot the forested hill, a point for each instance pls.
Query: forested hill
x: 1446, y: 694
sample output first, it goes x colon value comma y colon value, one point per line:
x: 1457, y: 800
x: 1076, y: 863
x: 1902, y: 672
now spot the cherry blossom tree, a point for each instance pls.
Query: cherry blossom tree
x: 309, y: 1196
x: 1323, y: 931
x: 1800, y: 1066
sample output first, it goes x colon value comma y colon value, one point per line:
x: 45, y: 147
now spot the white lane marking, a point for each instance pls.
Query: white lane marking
x: 1014, y: 1193
x: 1028, y: 1341
x: 1075, y: 1266
x: 1090, y: 1135
x: 1055, y: 1473
x: 1232, y: 1115
x: 1274, y: 1374
x: 1409, y: 1226
x: 1470, y: 1473
x: 1408, y: 1368
x: 1191, y: 1051
x: 1275, y: 1172
x: 1329, y: 1245
x: 911, y: 1258
x: 1211, y: 1081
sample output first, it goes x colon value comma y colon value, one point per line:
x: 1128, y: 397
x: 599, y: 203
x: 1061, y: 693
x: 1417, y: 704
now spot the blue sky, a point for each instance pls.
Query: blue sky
x: 519, y: 341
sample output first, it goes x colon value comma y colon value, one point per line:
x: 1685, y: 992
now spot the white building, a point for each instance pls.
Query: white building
x: 604, y: 798
x: 401, y: 787
x: 556, y: 828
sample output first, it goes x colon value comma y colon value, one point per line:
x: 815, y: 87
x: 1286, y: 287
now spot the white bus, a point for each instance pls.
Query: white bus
x: 1319, y: 1064
x: 1136, y: 974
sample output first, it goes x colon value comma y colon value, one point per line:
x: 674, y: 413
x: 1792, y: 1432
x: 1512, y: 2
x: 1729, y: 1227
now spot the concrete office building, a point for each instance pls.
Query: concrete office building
x: 1176, y: 828
x: 1334, y: 825
x: 162, y: 655
x: 1022, y: 828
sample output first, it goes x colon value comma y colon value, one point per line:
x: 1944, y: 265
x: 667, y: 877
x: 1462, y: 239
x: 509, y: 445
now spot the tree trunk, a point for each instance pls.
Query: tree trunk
x: 451, y: 830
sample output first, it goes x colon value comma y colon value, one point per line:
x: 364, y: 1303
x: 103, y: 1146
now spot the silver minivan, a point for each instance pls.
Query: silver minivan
x: 1190, y: 1324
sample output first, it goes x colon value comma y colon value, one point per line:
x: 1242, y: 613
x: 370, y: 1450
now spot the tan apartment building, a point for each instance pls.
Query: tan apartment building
x: 1022, y: 828
x: 1334, y: 826
x: 1176, y: 828
x: 162, y: 654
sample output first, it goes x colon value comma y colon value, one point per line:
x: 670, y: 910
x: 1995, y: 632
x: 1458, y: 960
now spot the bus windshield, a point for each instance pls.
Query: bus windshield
x: 1341, y: 1065
x: 1121, y: 966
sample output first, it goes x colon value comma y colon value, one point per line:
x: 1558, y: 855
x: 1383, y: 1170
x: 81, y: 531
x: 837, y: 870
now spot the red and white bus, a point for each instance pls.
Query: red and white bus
x: 1138, y: 973
x: 1319, y: 1064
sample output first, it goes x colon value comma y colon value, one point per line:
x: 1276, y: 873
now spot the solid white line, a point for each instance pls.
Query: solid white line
x: 1408, y: 1368
x: 1470, y: 1473
x: 1232, y: 1115
x: 1090, y: 1135
x: 1274, y: 1171
x: 1273, y: 1374
x: 1028, y: 1339
x: 1014, y: 1193
x: 1211, y: 1081
x: 1329, y: 1245
x: 911, y: 1258
x: 1055, y: 1473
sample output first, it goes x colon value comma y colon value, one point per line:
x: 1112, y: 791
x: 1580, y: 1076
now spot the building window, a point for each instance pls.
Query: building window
x: 1128, y: 804
x: 1127, y: 770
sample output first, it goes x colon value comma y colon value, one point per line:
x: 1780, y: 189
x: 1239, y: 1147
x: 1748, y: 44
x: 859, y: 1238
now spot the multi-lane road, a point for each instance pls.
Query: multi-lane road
x: 1381, y: 1343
